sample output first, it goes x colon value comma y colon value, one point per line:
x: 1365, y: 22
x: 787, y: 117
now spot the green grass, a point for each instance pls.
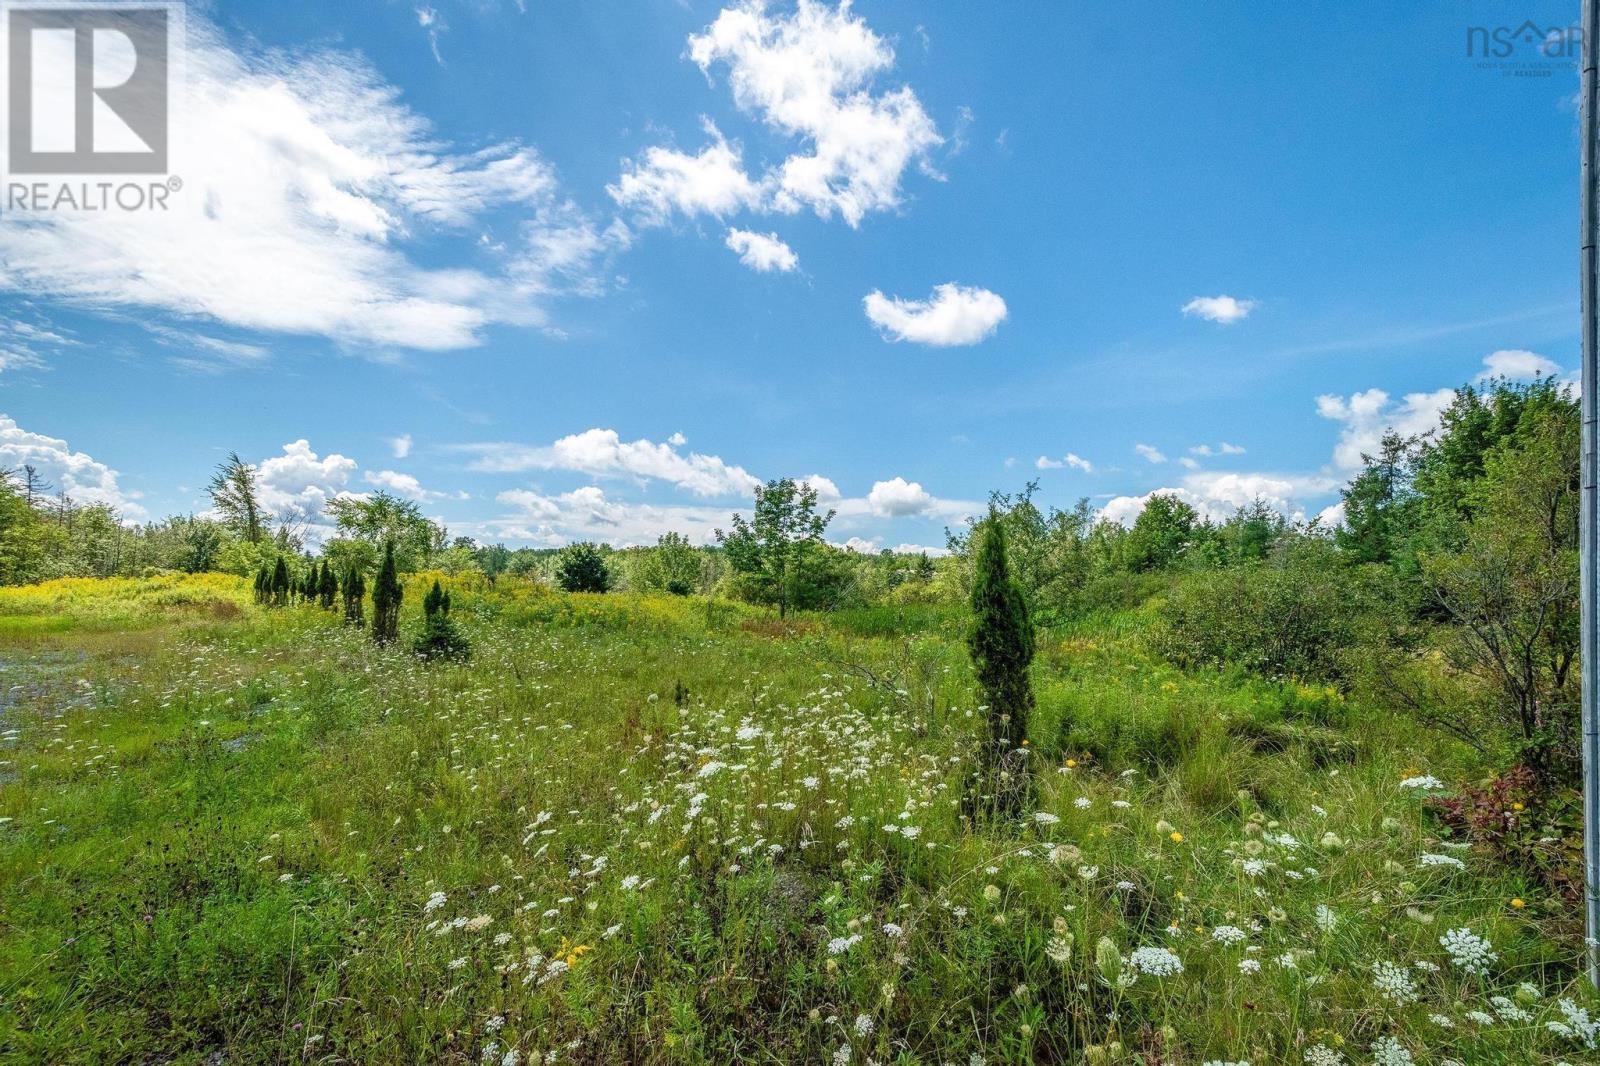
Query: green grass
x: 644, y: 822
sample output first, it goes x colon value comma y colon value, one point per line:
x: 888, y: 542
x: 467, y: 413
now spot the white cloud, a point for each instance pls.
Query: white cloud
x: 408, y: 486
x: 898, y: 497
x: 712, y: 182
x: 1517, y: 364
x: 1218, y: 496
x: 1071, y: 459
x: 83, y: 478
x: 588, y: 514
x: 603, y: 453
x: 808, y: 75
x: 400, y: 446
x: 305, y: 180
x: 433, y: 25
x: 920, y: 549
x: 298, y: 484
x: 762, y: 252
x: 1150, y: 453
x: 1187, y: 463
x: 1221, y: 449
x: 1223, y: 309
x: 21, y: 343
x: 954, y: 315
x: 1367, y: 416
x: 827, y: 491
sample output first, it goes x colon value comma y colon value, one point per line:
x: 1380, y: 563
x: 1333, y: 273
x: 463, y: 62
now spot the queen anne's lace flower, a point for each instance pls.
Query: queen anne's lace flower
x: 1576, y: 1024
x: 1393, y: 982
x: 1157, y: 962
x: 1387, y: 1051
x: 1469, y: 951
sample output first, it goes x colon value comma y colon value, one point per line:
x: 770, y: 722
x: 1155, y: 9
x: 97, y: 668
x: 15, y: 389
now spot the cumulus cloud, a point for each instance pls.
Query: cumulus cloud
x: 81, y: 476
x: 400, y: 446
x: 588, y: 514
x: 1223, y: 309
x: 762, y: 252
x: 1218, y: 496
x: 1517, y: 364
x: 711, y: 182
x: 898, y: 497
x: 1150, y: 454
x: 808, y: 75
x: 827, y: 491
x: 306, y: 183
x: 603, y: 453
x: 1071, y: 459
x: 296, y: 485
x: 954, y: 315
x: 1366, y: 416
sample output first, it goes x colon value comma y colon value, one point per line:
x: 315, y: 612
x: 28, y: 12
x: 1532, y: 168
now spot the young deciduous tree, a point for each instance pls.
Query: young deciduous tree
x: 1001, y: 644
x: 1161, y: 533
x: 386, y: 519
x: 777, y: 546
x: 1511, y: 592
x: 386, y: 596
x: 235, y: 495
x: 673, y: 565
x: 582, y: 569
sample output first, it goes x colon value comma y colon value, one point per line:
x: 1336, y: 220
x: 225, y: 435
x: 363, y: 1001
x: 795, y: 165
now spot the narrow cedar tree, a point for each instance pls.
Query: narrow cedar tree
x: 1001, y: 645
x: 353, y: 588
x: 328, y: 587
x: 386, y: 597
x: 280, y: 583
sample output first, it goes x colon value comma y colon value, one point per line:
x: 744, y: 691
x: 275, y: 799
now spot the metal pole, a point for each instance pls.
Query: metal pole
x: 1589, y: 528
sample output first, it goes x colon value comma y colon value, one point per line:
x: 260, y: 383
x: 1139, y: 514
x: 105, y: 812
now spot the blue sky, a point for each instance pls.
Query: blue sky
x: 599, y: 265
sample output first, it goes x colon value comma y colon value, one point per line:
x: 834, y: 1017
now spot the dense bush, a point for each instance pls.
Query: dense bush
x: 583, y: 569
x: 1298, y: 613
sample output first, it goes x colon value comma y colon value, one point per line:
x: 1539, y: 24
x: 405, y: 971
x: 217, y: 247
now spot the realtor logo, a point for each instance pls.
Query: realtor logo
x: 87, y: 88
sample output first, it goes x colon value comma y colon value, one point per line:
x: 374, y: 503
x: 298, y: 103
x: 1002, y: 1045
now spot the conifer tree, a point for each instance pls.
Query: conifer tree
x: 327, y: 586
x: 263, y: 584
x: 353, y: 588
x: 280, y: 583
x: 386, y: 597
x: 1001, y: 645
x: 440, y: 637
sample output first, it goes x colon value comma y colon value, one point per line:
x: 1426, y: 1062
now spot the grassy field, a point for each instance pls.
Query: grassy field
x: 653, y: 830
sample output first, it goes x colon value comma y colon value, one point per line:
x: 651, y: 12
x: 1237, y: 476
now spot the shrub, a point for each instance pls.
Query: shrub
x: 582, y: 569
x: 440, y: 638
x: 1296, y: 614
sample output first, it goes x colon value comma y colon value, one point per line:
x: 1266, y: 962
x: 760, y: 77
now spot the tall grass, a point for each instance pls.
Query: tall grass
x: 627, y: 832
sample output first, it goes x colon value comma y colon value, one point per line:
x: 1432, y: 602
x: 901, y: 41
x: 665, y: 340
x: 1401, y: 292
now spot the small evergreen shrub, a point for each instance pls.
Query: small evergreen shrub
x: 440, y: 638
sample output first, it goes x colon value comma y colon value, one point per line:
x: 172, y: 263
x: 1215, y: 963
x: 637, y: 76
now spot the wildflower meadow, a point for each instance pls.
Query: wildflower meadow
x: 638, y: 828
